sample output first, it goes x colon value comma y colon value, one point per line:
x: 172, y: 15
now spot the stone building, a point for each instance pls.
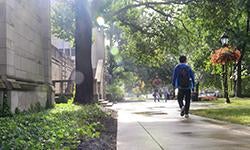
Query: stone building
x: 25, y: 53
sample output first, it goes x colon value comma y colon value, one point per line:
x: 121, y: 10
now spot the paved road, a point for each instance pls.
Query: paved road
x: 158, y: 126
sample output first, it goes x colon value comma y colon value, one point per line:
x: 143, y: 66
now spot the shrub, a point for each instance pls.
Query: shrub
x: 115, y: 93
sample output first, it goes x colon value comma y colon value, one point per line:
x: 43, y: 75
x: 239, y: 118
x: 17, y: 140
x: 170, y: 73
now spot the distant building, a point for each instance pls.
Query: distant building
x: 64, y: 47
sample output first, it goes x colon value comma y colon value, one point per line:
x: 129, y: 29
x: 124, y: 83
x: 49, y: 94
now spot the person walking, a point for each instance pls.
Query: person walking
x: 166, y: 94
x: 183, y: 80
x: 156, y: 83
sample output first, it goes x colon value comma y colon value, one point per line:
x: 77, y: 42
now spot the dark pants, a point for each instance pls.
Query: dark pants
x: 187, y: 94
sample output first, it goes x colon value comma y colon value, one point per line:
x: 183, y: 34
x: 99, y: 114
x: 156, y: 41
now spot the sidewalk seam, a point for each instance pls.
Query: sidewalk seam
x: 151, y: 136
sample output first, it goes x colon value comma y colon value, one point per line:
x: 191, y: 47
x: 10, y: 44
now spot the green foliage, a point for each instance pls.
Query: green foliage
x: 115, y: 91
x: 63, y: 19
x: 246, y: 86
x: 60, y: 128
x: 5, y: 111
x: 153, y: 31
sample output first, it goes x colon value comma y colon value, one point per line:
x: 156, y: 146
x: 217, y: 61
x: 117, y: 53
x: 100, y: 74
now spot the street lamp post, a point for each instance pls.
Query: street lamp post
x: 224, y: 41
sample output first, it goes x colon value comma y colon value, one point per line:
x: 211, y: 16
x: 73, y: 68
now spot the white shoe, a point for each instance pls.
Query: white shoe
x: 186, y: 116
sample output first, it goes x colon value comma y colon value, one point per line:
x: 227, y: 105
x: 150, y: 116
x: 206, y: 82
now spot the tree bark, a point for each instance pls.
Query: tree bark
x: 83, y: 39
x: 238, y: 81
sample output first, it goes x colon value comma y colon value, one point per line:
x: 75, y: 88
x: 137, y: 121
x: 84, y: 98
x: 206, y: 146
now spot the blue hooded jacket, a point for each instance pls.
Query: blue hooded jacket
x: 175, y: 79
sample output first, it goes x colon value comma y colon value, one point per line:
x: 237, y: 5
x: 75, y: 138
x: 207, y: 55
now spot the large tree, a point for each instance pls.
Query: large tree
x: 83, y: 40
x: 231, y: 16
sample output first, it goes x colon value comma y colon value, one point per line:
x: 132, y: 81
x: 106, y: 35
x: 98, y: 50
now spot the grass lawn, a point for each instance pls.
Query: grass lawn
x: 62, y: 127
x: 236, y: 112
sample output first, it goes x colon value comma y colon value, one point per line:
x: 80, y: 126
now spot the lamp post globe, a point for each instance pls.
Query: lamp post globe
x: 224, y: 39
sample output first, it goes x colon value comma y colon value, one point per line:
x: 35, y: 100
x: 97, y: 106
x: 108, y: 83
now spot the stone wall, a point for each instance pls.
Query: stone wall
x: 28, y: 39
x: 25, y: 45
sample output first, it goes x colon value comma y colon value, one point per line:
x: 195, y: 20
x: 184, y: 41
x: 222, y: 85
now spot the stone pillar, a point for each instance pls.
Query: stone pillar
x: 2, y: 37
x: 2, y: 47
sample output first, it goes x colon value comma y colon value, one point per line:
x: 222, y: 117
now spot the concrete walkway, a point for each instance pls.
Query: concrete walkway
x: 158, y: 126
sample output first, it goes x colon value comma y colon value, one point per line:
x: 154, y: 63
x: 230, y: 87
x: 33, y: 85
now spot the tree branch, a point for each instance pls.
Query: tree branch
x: 136, y: 27
x: 168, y: 15
x: 164, y: 14
x: 181, y: 2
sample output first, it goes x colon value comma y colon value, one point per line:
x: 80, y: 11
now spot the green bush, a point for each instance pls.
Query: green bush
x: 60, y: 128
x: 115, y: 93
x: 246, y: 86
x: 5, y: 111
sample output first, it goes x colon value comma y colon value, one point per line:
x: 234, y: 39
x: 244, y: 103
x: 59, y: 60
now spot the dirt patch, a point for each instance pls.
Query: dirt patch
x: 107, y: 140
x: 151, y: 113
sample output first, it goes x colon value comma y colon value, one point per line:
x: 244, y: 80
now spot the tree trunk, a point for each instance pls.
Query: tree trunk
x: 225, y: 82
x: 239, y: 80
x: 83, y: 39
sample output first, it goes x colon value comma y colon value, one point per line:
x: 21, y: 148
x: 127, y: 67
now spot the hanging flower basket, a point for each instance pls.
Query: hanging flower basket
x: 225, y: 55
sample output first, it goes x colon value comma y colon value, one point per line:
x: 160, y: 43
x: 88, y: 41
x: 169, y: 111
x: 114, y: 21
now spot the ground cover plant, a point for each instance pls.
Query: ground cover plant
x: 236, y: 112
x: 63, y: 127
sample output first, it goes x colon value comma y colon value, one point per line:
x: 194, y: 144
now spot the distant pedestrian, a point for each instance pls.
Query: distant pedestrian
x: 156, y: 83
x: 156, y: 95
x: 166, y: 94
x: 183, y: 80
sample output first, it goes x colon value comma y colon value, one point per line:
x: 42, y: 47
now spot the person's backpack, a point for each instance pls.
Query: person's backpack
x: 184, y: 77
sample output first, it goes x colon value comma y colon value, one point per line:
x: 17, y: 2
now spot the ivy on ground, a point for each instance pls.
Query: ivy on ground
x: 62, y: 127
